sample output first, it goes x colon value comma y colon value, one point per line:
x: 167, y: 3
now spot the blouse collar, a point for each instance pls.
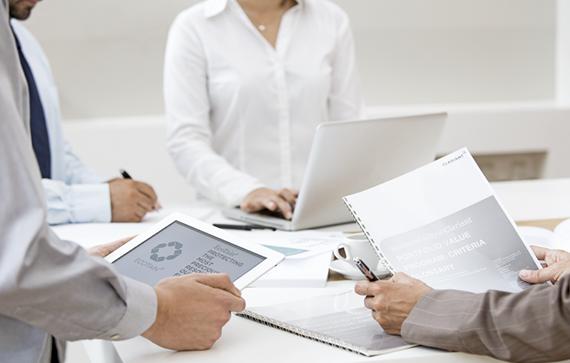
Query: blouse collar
x: 215, y: 7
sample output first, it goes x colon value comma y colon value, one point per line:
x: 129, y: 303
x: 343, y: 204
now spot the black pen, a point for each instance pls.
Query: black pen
x: 366, y: 271
x: 126, y: 175
x: 242, y: 227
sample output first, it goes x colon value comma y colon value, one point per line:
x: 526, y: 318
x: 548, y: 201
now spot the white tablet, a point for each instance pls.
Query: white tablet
x: 180, y: 245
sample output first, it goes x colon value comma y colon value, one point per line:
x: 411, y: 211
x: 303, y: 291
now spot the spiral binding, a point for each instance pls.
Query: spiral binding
x: 247, y: 314
x: 368, y: 236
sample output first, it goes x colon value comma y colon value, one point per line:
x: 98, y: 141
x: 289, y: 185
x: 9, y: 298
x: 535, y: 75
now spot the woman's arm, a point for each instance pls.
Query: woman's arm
x: 188, y: 113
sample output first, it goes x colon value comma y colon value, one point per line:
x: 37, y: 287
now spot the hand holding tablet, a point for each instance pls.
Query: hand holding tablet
x: 196, y: 324
x: 179, y: 245
x: 210, y: 265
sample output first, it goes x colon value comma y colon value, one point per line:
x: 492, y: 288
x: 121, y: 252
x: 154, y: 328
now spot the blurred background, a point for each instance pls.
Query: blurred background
x: 500, y: 67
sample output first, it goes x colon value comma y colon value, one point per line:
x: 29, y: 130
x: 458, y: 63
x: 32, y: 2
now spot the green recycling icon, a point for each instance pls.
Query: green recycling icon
x: 176, y: 248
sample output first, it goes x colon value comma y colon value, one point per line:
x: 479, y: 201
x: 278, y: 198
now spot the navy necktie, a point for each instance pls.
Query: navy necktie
x: 38, y: 126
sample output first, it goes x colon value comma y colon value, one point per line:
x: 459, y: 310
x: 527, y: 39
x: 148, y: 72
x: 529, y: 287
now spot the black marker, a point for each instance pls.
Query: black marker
x: 370, y: 276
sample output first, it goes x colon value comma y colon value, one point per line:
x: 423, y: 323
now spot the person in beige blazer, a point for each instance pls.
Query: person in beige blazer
x: 52, y: 291
x: 529, y: 326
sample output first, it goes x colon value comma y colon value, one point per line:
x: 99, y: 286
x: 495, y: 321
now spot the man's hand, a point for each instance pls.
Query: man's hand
x: 108, y: 248
x: 391, y: 301
x: 131, y: 200
x: 192, y: 310
x: 281, y: 201
x: 557, y: 265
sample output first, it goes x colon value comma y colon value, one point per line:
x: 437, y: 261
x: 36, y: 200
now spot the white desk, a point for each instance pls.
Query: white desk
x: 243, y: 340
x: 535, y: 199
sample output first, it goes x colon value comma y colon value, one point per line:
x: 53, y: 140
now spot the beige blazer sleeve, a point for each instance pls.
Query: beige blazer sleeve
x: 530, y: 326
x: 48, y: 286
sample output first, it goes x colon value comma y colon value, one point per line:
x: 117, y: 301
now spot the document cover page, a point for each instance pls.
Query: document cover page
x: 443, y: 224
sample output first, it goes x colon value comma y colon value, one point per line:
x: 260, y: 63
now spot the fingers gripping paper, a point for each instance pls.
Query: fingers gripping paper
x: 443, y: 224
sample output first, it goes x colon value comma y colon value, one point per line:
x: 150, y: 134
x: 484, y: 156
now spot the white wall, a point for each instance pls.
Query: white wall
x: 563, y: 52
x: 443, y: 51
x: 107, y: 54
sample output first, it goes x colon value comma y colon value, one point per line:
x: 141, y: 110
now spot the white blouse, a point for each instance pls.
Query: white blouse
x: 242, y: 114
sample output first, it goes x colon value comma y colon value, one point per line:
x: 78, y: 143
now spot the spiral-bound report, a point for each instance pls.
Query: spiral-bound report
x: 443, y: 224
x: 339, y: 320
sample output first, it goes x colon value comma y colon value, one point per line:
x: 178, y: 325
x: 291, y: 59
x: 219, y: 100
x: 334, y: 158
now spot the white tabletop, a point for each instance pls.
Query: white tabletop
x: 244, y: 340
x: 535, y: 199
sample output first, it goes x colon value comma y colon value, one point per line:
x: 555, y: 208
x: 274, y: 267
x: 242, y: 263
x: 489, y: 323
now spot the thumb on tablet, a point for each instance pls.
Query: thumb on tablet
x: 218, y: 281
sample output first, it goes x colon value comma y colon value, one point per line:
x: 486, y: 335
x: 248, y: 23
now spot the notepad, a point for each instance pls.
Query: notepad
x: 339, y: 320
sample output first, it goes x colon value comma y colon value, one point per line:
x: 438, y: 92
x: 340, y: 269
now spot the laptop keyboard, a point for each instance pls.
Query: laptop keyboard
x: 268, y: 213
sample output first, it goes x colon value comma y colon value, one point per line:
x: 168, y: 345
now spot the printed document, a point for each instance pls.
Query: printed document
x: 443, y: 224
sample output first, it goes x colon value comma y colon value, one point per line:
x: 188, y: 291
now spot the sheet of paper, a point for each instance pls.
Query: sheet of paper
x: 443, y: 224
x: 306, y: 269
x: 92, y: 234
x: 312, y: 242
x: 301, y: 272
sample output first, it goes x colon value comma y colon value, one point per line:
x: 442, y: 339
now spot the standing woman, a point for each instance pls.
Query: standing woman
x: 246, y: 83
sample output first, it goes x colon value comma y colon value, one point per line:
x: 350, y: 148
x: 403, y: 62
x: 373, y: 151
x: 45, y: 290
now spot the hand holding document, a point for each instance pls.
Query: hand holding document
x: 443, y: 224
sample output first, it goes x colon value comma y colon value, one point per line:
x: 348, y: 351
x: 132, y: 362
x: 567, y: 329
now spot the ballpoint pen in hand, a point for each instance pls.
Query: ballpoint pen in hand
x: 126, y: 175
x: 366, y: 271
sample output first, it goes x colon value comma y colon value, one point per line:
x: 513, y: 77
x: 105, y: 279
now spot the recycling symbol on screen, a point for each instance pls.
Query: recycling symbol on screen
x: 174, y: 247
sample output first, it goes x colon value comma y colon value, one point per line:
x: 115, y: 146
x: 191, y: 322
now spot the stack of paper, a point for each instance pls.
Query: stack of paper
x: 308, y: 257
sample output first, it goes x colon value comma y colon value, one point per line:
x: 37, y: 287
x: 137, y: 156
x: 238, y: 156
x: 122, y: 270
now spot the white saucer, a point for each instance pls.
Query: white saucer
x: 563, y: 233
x: 350, y: 272
x: 346, y: 270
x: 540, y: 237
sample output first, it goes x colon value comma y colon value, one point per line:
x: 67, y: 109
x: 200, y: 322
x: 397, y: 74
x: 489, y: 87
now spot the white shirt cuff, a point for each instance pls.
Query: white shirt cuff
x: 90, y: 203
x: 234, y: 195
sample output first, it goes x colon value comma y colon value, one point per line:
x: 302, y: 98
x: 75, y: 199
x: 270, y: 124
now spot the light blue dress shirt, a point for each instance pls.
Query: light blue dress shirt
x: 75, y: 194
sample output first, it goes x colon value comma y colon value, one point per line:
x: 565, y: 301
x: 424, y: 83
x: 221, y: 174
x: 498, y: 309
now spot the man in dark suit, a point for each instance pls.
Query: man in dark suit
x: 530, y: 326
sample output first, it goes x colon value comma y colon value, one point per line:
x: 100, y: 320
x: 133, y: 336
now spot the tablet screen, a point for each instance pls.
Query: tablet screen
x: 179, y: 249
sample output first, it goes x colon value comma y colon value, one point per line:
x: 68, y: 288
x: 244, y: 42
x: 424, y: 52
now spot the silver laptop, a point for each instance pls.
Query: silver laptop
x: 351, y: 156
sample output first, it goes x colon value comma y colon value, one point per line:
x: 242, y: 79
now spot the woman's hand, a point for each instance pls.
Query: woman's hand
x: 107, y: 248
x: 557, y: 265
x: 281, y: 201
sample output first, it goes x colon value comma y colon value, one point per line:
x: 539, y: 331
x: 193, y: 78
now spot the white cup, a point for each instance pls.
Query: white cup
x: 358, y: 246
